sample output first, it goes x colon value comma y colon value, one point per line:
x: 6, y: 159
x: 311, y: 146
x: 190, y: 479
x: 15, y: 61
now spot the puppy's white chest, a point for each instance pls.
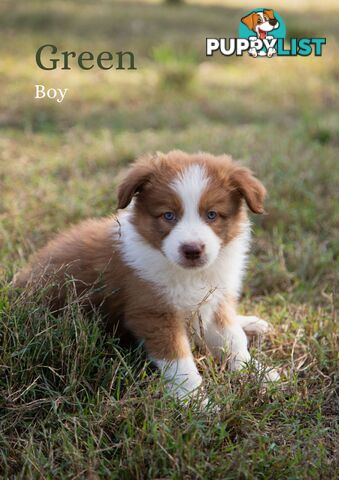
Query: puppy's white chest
x: 190, y: 294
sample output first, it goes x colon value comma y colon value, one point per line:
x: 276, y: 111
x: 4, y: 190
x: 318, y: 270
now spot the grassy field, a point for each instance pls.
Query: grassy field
x: 73, y: 404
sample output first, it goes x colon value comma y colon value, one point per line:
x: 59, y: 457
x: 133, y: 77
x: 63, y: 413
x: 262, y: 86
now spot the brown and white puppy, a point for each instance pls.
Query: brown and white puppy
x: 172, y: 262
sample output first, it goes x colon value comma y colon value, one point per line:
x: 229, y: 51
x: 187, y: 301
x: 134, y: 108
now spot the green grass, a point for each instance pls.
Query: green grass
x: 73, y: 403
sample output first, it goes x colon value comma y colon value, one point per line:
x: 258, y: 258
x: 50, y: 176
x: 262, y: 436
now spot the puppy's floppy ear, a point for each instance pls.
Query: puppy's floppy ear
x: 133, y: 183
x: 249, y: 20
x: 269, y: 13
x: 250, y: 188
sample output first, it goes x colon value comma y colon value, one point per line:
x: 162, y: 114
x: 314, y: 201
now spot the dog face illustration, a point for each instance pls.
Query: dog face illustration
x: 261, y: 22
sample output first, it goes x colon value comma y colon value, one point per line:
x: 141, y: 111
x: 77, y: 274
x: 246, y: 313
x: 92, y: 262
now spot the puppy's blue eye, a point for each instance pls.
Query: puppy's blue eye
x: 169, y: 216
x: 212, y: 215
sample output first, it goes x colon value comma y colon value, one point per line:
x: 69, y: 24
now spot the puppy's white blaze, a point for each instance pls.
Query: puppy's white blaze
x: 181, y: 375
x: 189, y: 186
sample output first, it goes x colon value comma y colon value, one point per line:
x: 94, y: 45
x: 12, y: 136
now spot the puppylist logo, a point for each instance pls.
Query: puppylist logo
x: 262, y: 33
x: 262, y: 28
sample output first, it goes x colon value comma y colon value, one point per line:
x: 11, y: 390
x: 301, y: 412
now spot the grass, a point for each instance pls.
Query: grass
x: 73, y: 403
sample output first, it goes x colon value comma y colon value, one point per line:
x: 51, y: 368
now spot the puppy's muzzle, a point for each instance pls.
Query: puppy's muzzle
x: 193, y: 251
x: 273, y: 22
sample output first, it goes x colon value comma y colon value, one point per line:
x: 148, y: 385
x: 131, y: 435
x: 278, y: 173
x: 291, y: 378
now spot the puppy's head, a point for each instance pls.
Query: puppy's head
x: 189, y: 206
x: 261, y: 22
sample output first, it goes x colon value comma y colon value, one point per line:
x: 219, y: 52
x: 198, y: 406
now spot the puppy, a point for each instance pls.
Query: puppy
x: 261, y: 23
x: 170, y: 263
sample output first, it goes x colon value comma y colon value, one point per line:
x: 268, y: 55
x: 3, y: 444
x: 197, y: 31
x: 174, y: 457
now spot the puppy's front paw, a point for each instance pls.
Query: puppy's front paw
x: 254, y: 325
x: 258, y: 326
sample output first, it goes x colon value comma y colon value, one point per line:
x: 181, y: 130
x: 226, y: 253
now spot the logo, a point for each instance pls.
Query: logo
x: 261, y: 27
x: 262, y: 33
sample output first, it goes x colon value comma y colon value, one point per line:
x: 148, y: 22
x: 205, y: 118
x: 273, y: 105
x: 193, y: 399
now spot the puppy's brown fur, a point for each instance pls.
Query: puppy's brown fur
x: 87, y: 258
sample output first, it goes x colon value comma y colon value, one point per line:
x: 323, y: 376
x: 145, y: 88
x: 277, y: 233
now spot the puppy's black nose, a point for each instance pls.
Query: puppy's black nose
x: 192, y: 251
x: 273, y: 21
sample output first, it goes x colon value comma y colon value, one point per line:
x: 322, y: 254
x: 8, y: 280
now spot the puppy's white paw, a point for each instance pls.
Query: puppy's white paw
x: 239, y: 360
x: 269, y: 374
x: 272, y: 375
x: 181, y: 376
x: 254, y: 325
x: 266, y: 374
x: 258, y: 326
